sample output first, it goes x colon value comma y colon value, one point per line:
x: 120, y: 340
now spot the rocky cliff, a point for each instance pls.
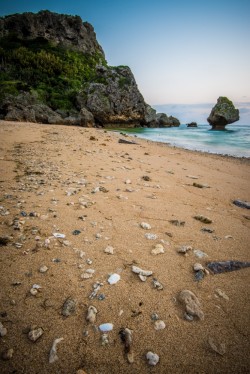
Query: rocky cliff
x: 53, y: 70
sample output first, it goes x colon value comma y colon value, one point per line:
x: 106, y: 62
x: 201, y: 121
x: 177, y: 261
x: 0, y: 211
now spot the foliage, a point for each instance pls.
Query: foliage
x: 55, y: 73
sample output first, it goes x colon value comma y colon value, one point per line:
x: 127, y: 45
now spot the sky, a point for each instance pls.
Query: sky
x: 184, y: 54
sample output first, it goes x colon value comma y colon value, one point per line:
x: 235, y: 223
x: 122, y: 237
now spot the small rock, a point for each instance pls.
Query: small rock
x: 91, y: 316
x: 203, y: 219
x: 143, y: 274
x: 184, y: 249
x: 160, y: 325
x: 53, y: 352
x: 218, y: 348
x: 191, y: 303
x: 106, y: 327
x: 34, y: 335
x: 222, y: 294
x: 199, y: 254
x: 43, y: 269
x: 152, y: 358
x: 177, y: 222
x: 151, y: 236
x: 114, y: 278
x: 242, y: 204
x: 154, y: 316
x: 145, y: 226
x: 158, y: 249
x: 69, y: 307
x: 198, y: 267
x: 109, y: 250
x: 105, y: 339
x: 126, y: 337
x: 146, y: 178
x: 199, y: 275
x: 157, y: 284
x: 59, y: 235
x: 200, y: 185
x: 3, y: 330
x: 7, y: 354
x: 81, y: 371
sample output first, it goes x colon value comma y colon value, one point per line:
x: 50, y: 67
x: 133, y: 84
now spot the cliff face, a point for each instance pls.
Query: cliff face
x: 53, y: 70
x: 64, y: 30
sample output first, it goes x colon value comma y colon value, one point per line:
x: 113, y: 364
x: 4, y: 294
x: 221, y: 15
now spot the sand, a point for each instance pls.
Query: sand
x: 53, y: 173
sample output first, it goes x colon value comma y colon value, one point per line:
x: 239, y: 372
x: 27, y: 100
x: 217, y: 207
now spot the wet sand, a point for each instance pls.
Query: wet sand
x: 58, y: 179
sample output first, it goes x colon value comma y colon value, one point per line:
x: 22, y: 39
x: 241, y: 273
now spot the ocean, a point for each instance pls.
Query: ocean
x: 234, y: 141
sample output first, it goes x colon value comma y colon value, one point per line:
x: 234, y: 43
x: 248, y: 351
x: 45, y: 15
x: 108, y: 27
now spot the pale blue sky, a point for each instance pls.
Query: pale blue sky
x: 180, y: 52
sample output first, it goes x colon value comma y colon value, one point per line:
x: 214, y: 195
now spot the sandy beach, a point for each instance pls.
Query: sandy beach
x: 114, y: 203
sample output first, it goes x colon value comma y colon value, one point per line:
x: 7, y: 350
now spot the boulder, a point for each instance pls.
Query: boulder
x: 164, y: 121
x: 192, y: 124
x: 222, y: 114
x: 114, y: 98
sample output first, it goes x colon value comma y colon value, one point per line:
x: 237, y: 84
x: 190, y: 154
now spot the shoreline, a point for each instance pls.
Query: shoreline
x: 114, y: 203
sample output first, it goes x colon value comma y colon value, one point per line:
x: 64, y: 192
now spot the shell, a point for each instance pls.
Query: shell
x: 91, y: 316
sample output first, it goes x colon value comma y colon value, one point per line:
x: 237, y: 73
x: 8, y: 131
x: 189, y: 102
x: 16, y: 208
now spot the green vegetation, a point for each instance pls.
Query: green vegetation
x: 55, y: 74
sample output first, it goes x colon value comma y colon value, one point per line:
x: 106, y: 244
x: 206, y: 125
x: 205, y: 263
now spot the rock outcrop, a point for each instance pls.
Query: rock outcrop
x: 192, y: 124
x: 55, y: 72
x: 222, y: 114
x: 64, y: 30
x: 166, y: 121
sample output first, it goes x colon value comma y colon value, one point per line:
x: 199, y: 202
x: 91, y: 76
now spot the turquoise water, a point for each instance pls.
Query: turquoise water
x: 234, y: 141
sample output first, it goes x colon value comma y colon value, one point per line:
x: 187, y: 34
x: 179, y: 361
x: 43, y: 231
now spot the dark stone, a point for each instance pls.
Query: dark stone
x: 242, y: 204
x: 222, y: 114
x: 164, y: 121
x: 192, y: 124
x: 226, y: 266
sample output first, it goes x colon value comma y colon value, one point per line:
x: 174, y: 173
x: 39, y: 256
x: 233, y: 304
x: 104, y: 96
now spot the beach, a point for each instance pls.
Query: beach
x: 68, y: 194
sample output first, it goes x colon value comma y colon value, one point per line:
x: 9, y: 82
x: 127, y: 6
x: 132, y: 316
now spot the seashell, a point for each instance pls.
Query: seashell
x: 158, y: 249
x: 114, y: 278
x: 3, y: 330
x: 160, y: 325
x: 53, y: 352
x: 152, y: 358
x: 91, y: 316
x: 145, y: 226
x: 109, y: 249
x: 33, y: 335
x: 105, y: 327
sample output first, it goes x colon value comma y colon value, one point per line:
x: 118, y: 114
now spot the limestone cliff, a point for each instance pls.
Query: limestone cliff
x: 53, y: 70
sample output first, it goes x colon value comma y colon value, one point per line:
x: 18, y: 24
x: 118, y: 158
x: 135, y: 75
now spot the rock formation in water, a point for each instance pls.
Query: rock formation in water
x: 53, y: 70
x: 222, y: 114
x: 192, y: 124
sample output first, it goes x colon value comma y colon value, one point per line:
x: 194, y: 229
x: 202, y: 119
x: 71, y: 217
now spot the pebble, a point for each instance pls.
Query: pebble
x: 222, y: 294
x: 69, y: 307
x: 200, y: 254
x: 151, y: 236
x: 198, y: 267
x: 192, y: 304
x: 7, y: 354
x: 158, y: 249
x: 43, y: 269
x: 200, y: 185
x: 152, y: 358
x: 105, y: 339
x: 106, y: 327
x: 154, y: 316
x: 3, y: 330
x: 160, y: 325
x: 53, y: 352
x: 184, y: 249
x: 218, y: 348
x: 145, y: 226
x: 203, y: 219
x: 157, y: 284
x: 126, y: 337
x: 35, y: 334
x: 109, y: 250
x: 114, y: 278
x: 177, y: 222
x: 91, y: 315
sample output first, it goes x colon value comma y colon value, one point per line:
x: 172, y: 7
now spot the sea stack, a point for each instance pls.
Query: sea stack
x: 222, y: 114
